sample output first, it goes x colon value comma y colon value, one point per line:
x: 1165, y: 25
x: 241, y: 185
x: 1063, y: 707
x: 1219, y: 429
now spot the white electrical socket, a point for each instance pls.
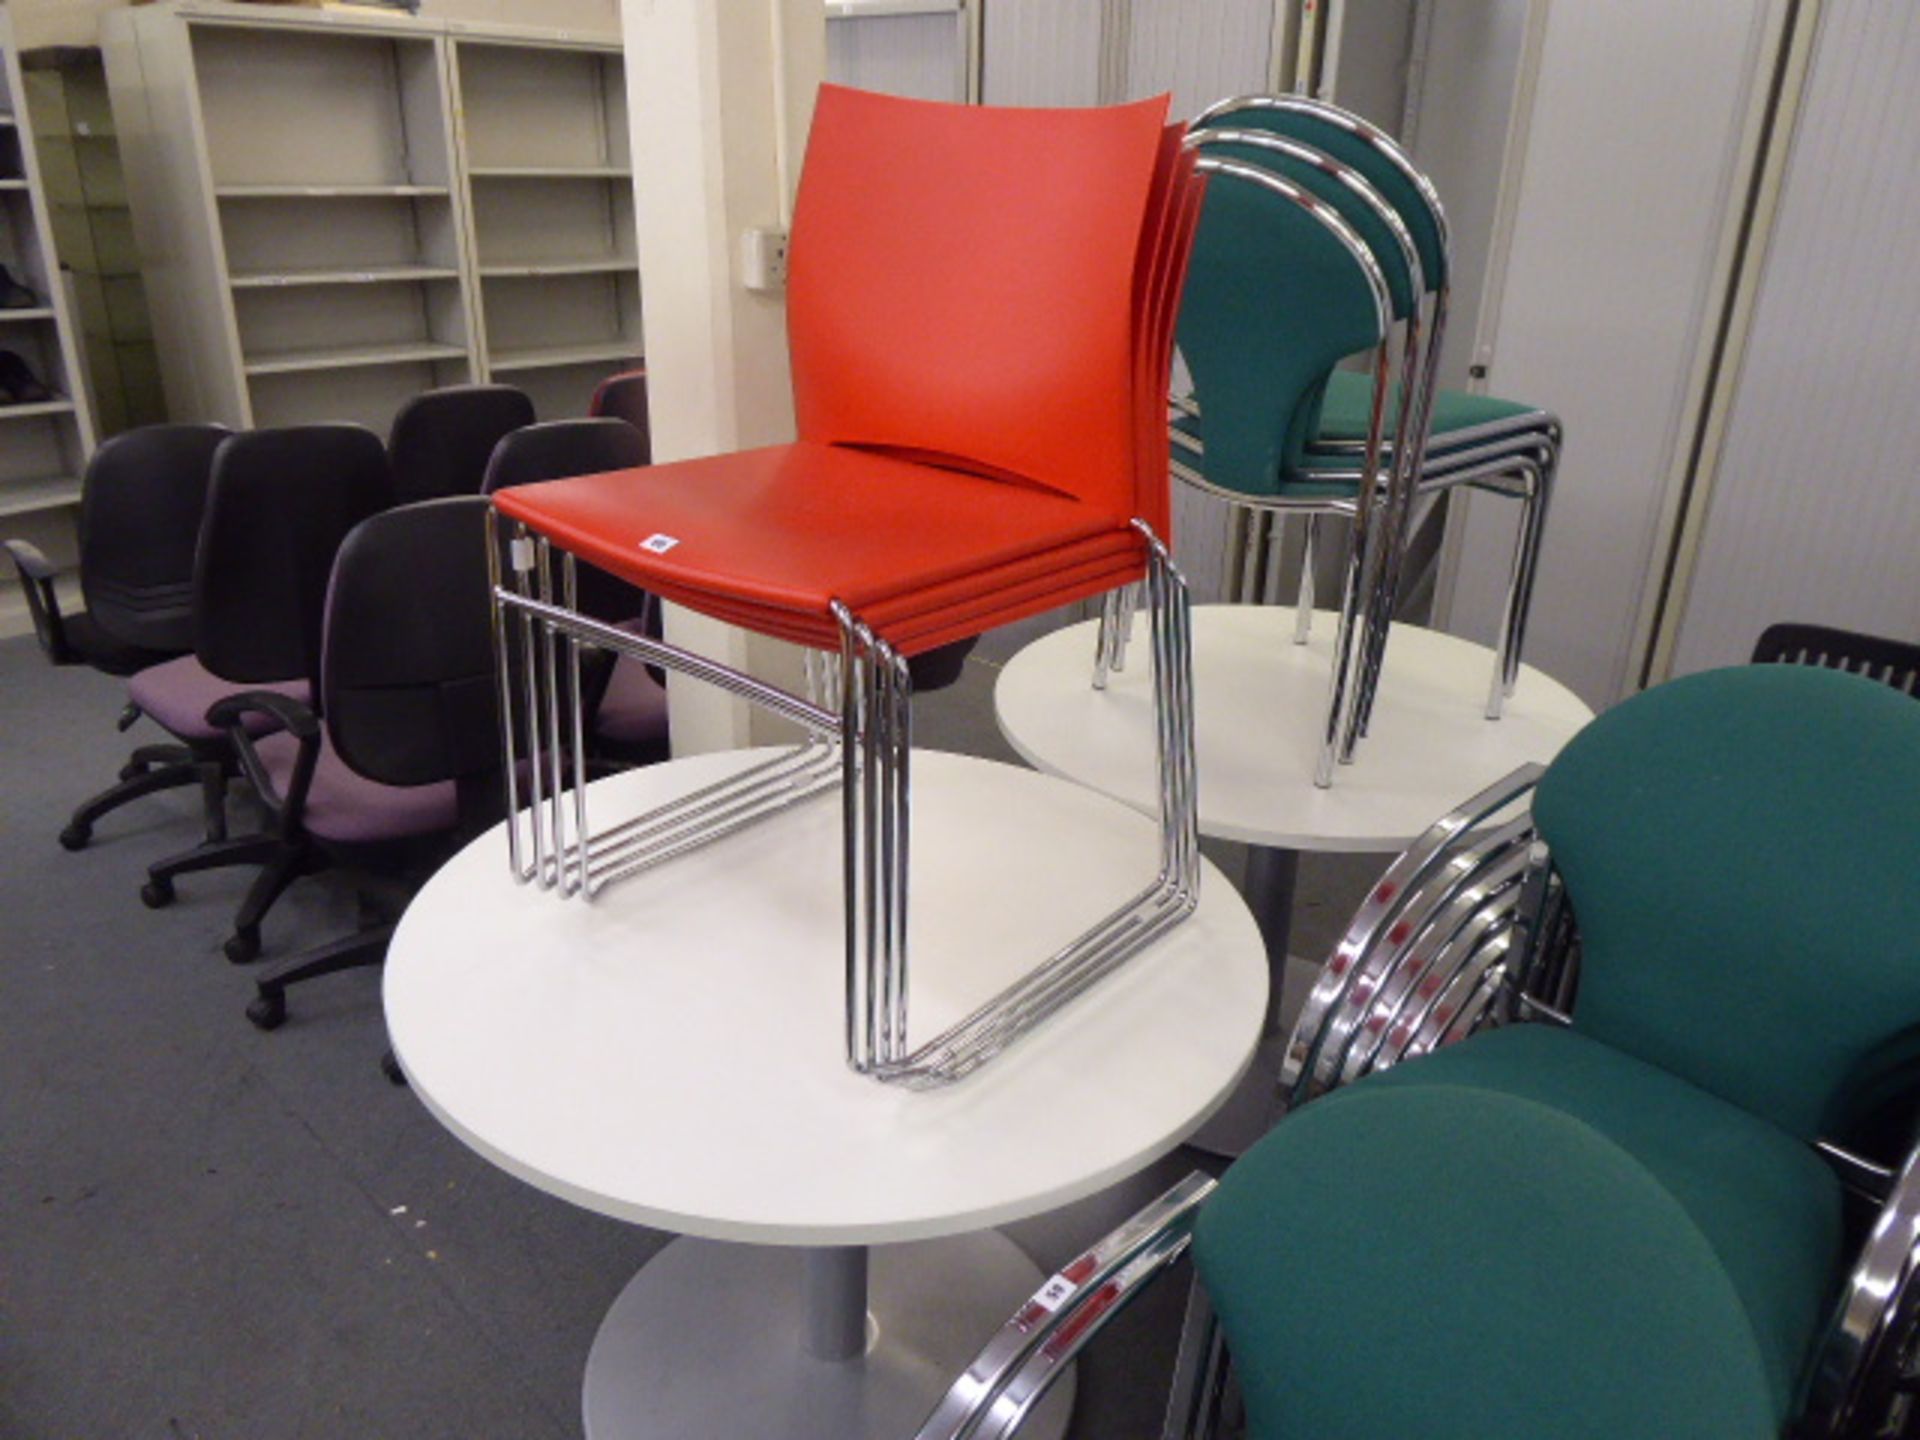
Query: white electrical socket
x: 763, y: 261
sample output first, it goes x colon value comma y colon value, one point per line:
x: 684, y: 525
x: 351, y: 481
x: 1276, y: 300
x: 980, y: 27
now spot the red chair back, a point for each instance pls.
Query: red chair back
x: 1001, y: 340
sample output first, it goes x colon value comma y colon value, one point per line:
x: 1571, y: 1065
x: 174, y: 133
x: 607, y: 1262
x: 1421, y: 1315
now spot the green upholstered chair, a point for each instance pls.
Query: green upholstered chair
x: 1601, y: 1048
x: 1286, y: 281
x: 1494, y: 445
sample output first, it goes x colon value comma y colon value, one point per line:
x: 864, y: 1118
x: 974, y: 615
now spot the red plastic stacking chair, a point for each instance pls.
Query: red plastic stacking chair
x: 980, y: 314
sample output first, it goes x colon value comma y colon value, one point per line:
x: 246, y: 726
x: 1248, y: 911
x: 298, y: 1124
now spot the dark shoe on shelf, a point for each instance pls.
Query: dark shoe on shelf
x: 14, y: 295
x: 18, y: 385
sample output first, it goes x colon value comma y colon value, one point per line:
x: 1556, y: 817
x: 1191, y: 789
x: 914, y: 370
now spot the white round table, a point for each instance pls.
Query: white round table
x: 1260, y: 705
x: 671, y: 1053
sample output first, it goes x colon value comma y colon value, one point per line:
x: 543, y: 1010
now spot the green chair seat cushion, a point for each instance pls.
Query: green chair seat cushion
x: 1349, y: 401
x: 1304, y: 481
x: 1740, y: 848
x: 1443, y: 1262
x: 1299, y: 486
x: 1764, y: 1200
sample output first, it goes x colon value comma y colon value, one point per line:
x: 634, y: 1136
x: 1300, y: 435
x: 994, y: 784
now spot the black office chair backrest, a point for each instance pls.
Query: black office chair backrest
x: 441, y: 439
x: 279, y: 506
x: 140, y: 509
x: 1892, y: 662
x: 407, y: 680
x: 624, y: 397
x: 558, y: 450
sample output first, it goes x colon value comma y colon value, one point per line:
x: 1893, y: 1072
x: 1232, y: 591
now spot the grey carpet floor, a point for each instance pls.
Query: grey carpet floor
x: 210, y: 1232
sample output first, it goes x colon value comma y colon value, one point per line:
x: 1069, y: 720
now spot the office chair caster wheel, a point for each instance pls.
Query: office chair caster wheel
x: 243, y: 946
x: 268, y: 1010
x: 76, y: 836
x: 390, y: 1068
x: 157, y: 894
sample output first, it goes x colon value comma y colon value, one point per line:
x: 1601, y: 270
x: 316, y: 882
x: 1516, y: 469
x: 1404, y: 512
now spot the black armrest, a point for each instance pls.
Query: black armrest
x: 29, y: 560
x: 295, y: 717
x: 37, y: 574
x: 299, y: 721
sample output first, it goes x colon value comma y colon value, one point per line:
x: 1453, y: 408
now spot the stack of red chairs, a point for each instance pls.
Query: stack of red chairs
x: 980, y: 315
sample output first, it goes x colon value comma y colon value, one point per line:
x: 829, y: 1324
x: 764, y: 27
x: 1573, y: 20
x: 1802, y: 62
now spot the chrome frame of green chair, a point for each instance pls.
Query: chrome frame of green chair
x: 1521, y: 468
x: 1538, y: 425
x: 1360, y: 579
x: 1397, y: 529
x: 1398, y: 473
x: 1475, y: 898
x: 1039, y: 1341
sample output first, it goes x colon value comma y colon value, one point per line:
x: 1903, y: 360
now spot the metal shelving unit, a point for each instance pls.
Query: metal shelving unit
x: 43, y: 445
x: 345, y: 208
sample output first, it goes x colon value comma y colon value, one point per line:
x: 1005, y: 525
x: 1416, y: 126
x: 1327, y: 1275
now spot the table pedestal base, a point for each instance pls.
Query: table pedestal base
x: 720, y: 1342
x: 1254, y: 1106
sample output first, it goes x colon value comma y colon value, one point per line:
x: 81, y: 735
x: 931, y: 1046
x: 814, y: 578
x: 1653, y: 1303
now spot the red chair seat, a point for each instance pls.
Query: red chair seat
x: 769, y: 538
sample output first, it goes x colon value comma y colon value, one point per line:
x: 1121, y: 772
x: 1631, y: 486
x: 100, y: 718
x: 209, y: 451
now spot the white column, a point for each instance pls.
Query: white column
x: 719, y: 97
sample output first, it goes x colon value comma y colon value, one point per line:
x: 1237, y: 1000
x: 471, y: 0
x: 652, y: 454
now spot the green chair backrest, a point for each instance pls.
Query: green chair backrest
x: 1277, y: 293
x: 1372, y: 216
x: 1742, y: 852
x: 1352, y: 141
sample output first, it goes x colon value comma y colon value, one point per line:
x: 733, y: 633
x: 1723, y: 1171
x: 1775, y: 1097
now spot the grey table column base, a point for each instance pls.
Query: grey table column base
x: 713, y: 1341
x: 1251, y: 1110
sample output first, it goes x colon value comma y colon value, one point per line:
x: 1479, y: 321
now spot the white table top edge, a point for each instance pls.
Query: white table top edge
x: 703, y: 1228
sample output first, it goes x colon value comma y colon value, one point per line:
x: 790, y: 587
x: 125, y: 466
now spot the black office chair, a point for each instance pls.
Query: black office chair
x: 280, y: 503
x: 140, y: 508
x: 1892, y: 662
x: 630, y: 699
x: 624, y: 397
x: 405, y: 764
x: 441, y: 439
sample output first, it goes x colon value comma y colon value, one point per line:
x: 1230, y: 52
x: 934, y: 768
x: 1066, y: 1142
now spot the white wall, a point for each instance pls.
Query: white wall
x: 1814, y: 513
x: 719, y: 101
x: 1610, y: 280
x: 923, y: 56
x: 77, y: 22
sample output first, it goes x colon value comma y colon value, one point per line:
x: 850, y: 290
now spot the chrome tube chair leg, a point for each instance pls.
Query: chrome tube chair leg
x: 1114, y: 633
x: 1532, y: 534
x: 1519, y: 468
x: 1506, y: 667
x: 865, y: 750
x: 1303, y: 608
x: 1410, y: 438
x: 875, y: 707
x: 1357, y: 590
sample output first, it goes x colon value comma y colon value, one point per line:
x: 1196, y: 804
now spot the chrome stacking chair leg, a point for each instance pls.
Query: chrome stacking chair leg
x: 1506, y: 666
x: 1356, y: 592
x: 1115, y: 630
x: 1104, y: 638
x: 875, y: 815
x: 865, y: 749
x: 1123, y: 632
x: 1527, y: 568
x: 1303, y: 610
x: 550, y: 839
